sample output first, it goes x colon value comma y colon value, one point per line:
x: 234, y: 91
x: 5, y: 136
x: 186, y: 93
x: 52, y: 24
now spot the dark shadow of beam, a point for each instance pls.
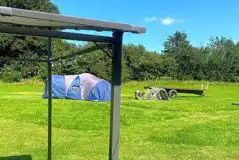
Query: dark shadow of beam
x: 22, y: 157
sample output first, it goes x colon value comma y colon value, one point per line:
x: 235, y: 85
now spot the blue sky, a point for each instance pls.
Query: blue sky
x: 200, y: 19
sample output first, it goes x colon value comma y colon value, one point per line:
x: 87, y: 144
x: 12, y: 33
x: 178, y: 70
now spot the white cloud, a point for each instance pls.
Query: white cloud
x: 150, y: 19
x: 164, y: 21
x: 170, y: 20
x: 167, y: 21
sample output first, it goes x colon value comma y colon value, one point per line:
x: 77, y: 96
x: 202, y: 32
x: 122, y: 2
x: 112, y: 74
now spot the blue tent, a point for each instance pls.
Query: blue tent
x: 80, y: 87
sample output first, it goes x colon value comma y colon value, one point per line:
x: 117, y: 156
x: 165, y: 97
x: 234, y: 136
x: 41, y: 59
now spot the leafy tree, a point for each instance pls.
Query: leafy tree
x: 179, y: 47
x: 21, y: 46
x: 218, y: 61
x: 169, y: 66
x: 223, y: 59
x: 38, y: 5
x: 200, y: 63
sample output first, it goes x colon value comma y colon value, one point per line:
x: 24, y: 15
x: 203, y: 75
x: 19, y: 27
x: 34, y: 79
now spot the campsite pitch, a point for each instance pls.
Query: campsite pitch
x: 188, y: 127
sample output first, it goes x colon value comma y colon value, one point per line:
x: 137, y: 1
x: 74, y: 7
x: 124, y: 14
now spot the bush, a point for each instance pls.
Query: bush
x: 10, y: 76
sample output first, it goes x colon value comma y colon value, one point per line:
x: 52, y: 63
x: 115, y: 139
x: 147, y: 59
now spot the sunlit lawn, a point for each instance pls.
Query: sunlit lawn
x: 188, y: 127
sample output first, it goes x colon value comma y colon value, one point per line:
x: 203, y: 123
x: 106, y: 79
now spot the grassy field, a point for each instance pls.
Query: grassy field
x: 188, y: 127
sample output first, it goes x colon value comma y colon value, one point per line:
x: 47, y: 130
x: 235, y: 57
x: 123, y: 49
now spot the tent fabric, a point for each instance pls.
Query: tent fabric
x: 88, y: 82
x: 99, y: 91
x: 58, y: 87
x: 79, y: 87
x: 74, y: 90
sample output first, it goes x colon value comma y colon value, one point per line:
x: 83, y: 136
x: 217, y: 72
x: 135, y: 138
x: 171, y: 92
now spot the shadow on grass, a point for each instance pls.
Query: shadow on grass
x: 22, y: 157
x: 154, y: 108
x: 191, y: 96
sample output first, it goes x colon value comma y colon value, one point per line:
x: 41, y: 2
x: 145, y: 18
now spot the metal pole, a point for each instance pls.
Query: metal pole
x: 115, y: 96
x: 54, y: 34
x: 49, y: 100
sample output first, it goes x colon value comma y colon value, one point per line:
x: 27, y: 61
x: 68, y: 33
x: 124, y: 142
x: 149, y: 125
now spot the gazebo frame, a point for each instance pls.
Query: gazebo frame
x: 33, y: 23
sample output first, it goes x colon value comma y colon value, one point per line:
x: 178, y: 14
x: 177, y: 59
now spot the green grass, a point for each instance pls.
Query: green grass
x: 188, y: 127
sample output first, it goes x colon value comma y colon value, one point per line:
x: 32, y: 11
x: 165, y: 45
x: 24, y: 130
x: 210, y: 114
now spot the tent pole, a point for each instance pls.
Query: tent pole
x: 115, y: 96
x: 49, y: 99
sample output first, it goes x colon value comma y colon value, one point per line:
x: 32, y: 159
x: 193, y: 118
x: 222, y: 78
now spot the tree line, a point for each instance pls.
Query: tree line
x: 179, y: 59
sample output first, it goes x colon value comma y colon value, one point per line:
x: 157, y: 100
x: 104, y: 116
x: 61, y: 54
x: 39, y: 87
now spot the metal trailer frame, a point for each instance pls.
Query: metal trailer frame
x: 182, y: 90
x: 235, y: 103
x: 185, y: 90
x: 33, y: 23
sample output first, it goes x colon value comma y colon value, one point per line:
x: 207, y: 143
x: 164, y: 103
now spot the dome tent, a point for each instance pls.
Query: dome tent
x: 80, y: 87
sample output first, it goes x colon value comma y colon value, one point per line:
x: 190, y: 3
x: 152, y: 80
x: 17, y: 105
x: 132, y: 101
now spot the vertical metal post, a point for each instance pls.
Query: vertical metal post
x: 115, y: 96
x: 49, y: 100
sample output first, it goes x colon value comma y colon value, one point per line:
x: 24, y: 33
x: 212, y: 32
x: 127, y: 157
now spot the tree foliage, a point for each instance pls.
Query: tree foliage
x: 37, y: 5
x: 21, y: 46
x: 217, y: 61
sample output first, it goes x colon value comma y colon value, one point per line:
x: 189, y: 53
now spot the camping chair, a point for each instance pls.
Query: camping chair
x: 152, y: 93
